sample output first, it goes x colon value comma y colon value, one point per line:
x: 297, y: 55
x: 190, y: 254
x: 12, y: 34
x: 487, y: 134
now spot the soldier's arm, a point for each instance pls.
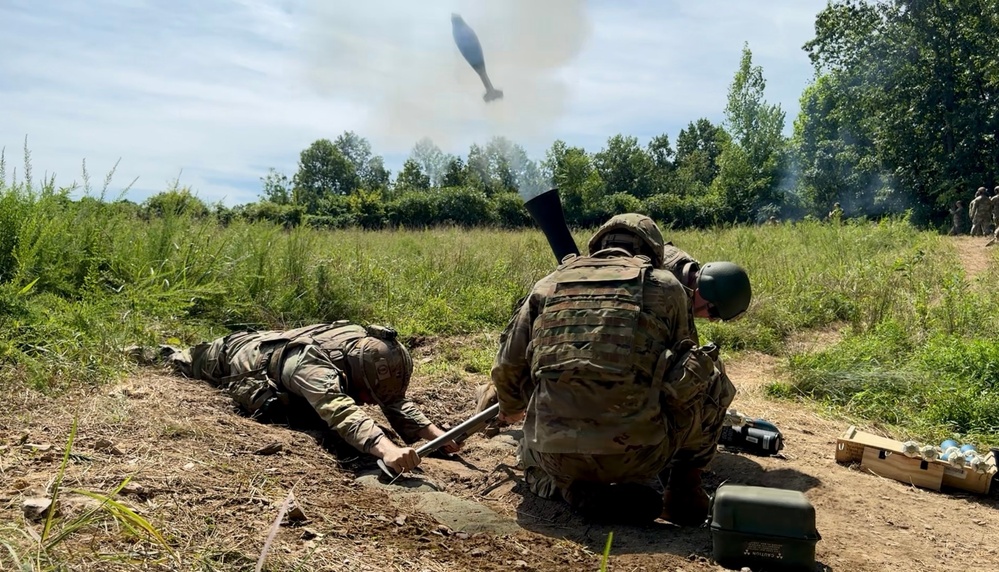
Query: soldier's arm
x: 407, y: 419
x: 511, y: 371
x: 356, y: 428
x: 345, y: 417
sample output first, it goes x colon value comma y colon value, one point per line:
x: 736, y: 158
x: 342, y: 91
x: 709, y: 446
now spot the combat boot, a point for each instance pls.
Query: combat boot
x: 685, y: 503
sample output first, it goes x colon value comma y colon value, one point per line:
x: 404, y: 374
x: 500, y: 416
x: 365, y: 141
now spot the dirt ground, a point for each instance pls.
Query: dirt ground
x: 200, y: 477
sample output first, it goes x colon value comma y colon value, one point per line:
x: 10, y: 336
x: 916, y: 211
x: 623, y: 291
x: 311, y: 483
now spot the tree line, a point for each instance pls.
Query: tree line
x: 899, y: 117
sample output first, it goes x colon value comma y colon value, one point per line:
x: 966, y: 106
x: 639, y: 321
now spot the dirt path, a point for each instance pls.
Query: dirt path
x: 974, y: 256
x: 197, y: 478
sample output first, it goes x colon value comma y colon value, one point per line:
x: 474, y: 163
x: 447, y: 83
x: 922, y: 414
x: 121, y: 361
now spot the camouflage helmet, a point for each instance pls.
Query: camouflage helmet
x: 981, y: 191
x: 381, y: 364
x: 726, y: 286
x: 631, y: 230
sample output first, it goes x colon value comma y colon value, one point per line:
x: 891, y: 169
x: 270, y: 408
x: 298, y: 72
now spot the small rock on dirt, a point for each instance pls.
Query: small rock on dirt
x: 269, y: 449
x: 400, y: 520
x: 188, y: 467
x: 310, y: 534
x: 477, y: 552
x: 137, y: 490
x: 37, y: 508
x: 295, y: 512
x: 107, y: 446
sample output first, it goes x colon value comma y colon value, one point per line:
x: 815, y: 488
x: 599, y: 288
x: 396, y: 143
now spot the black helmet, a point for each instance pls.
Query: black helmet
x: 726, y: 286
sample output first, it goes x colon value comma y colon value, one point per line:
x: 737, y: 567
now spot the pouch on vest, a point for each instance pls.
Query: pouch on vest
x: 382, y: 332
x: 257, y: 396
x: 690, y: 371
x: 589, y: 323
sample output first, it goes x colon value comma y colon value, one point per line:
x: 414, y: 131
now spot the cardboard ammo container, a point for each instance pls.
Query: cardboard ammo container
x: 763, y: 528
x: 883, y: 457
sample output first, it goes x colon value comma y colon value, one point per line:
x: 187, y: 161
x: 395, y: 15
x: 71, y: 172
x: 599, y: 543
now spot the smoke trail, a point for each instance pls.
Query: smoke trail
x: 399, y: 58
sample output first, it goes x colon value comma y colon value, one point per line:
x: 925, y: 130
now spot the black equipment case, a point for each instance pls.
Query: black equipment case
x: 763, y: 528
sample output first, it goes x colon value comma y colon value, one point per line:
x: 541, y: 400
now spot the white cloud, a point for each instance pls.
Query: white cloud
x: 220, y: 91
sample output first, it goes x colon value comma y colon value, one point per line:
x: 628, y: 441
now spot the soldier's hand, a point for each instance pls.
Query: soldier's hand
x: 451, y: 447
x: 511, y: 418
x: 431, y: 432
x: 401, y: 459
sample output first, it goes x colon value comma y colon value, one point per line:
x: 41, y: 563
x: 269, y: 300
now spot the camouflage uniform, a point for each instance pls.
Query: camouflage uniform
x: 332, y: 367
x: 994, y: 203
x: 957, y: 218
x: 980, y: 212
x: 836, y: 214
x: 601, y: 355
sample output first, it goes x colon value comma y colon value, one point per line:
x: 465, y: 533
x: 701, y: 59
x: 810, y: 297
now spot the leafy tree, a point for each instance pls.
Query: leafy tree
x: 175, y: 202
x: 663, y: 163
x: 455, y: 175
x: 431, y: 159
x: 625, y: 167
x: 757, y: 129
x: 277, y: 187
x: 412, y: 176
x: 836, y: 157
x: 697, y: 150
x: 571, y: 170
x: 923, y: 77
x: 369, y: 167
x: 323, y: 170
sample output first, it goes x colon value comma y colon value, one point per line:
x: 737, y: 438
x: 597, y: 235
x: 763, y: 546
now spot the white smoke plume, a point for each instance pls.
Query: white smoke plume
x: 399, y: 58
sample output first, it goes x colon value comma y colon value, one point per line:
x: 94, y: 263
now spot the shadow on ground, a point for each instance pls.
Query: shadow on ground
x: 554, y: 518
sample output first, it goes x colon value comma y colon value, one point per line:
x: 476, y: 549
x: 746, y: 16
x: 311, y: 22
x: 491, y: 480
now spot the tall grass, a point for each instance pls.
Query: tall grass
x: 80, y: 279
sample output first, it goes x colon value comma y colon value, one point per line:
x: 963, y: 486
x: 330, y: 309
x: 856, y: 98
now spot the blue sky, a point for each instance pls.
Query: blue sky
x: 217, y: 92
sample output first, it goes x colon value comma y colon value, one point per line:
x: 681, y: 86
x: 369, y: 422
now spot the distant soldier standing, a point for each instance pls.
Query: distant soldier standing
x: 980, y: 212
x: 835, y: 215
x: 957, y: 218
x: 995, y: 208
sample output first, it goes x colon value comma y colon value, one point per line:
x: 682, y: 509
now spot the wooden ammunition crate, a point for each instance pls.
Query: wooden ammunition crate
x: 883, y: 456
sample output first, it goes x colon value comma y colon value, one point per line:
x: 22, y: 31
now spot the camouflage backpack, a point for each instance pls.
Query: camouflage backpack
x: 594, y: 324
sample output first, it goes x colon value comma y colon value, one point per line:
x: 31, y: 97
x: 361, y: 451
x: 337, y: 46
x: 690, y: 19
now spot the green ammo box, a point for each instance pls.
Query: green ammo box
x: 763, y: 528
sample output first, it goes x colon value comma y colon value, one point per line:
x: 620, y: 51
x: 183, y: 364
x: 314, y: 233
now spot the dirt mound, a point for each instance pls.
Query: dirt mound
x: 200, y: 475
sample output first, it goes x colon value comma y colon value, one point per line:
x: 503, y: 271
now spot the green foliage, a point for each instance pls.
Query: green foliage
x: 277, y: 187
x: 749, y: 165
x: 323, y: 170
x: 909, y: 91
x: 925, y: 360
x: 175, y: 202
x: 412, y: 177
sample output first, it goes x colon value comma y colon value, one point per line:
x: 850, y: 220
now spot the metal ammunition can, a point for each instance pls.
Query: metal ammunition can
x: 763, y: 528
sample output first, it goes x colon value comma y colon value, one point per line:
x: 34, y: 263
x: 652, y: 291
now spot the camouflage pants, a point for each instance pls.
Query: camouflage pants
x: 549, y: 473
x: 691, y: 442
x: 980, y: 225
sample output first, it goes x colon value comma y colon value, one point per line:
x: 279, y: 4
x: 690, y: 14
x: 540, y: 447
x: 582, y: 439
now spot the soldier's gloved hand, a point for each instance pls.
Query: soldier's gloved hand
x: 401, y: 459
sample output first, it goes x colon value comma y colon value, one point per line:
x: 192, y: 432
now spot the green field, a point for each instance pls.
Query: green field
x: 81, y: 279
